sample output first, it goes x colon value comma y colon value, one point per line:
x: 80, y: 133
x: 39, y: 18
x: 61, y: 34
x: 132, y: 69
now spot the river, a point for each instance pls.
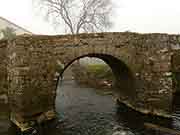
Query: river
x: 86, y: 111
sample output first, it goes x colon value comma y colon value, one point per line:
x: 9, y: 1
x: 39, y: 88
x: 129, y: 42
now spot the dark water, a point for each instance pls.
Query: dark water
x: 84, y: 111
x: 176, y: 110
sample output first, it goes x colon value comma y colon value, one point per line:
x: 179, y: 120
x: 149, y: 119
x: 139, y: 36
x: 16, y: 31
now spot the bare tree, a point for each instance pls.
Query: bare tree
x: 79, y: 15
x: 8, y: 33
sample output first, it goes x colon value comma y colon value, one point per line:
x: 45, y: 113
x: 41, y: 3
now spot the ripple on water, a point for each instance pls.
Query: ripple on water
x: 82, y: 111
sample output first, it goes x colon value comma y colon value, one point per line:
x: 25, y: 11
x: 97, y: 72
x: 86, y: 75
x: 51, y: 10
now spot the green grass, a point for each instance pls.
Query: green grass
x: 100, y: 71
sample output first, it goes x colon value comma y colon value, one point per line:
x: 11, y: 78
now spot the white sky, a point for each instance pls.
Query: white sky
x: 159, y: 16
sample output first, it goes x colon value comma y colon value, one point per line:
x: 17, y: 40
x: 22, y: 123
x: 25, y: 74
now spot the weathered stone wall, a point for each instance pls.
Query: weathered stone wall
x: 34, y: 63
x: 3, y: 72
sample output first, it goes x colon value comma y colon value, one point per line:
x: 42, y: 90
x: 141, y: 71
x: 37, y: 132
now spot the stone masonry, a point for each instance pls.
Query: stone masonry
x: 3, y: 72
x: 143, y: 64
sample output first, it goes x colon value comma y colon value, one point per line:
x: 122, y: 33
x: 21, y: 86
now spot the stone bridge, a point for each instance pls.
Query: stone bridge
x: 146, y: 68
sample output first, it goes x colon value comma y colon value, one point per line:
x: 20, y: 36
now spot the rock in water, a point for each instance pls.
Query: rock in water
x: 122, y: 133
x: 119, y: 133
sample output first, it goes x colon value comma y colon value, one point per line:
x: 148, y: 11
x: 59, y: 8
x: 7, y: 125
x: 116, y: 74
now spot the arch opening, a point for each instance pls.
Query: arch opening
x: 75, y: 103
x: 124, y: 86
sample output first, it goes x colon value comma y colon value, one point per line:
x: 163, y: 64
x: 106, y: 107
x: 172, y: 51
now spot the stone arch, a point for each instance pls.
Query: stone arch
x: 33, y: 67
x: 125, y: 80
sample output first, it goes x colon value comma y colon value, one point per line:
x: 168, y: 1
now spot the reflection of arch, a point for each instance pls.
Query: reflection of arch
x: 123, y: 75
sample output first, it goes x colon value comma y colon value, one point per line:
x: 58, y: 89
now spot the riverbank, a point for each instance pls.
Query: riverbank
x: 84, y: 112
x: 97, y: 76
x: 101, y: 78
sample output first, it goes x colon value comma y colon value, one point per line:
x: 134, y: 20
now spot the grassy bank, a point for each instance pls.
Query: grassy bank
x: 94, y: 75
x: 100, y: 71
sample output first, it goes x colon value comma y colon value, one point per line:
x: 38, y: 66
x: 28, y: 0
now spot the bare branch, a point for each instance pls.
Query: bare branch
x: 80, y: 15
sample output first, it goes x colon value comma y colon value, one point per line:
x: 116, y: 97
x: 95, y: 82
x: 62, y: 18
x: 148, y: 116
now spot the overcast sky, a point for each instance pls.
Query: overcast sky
x: 155, y: 16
